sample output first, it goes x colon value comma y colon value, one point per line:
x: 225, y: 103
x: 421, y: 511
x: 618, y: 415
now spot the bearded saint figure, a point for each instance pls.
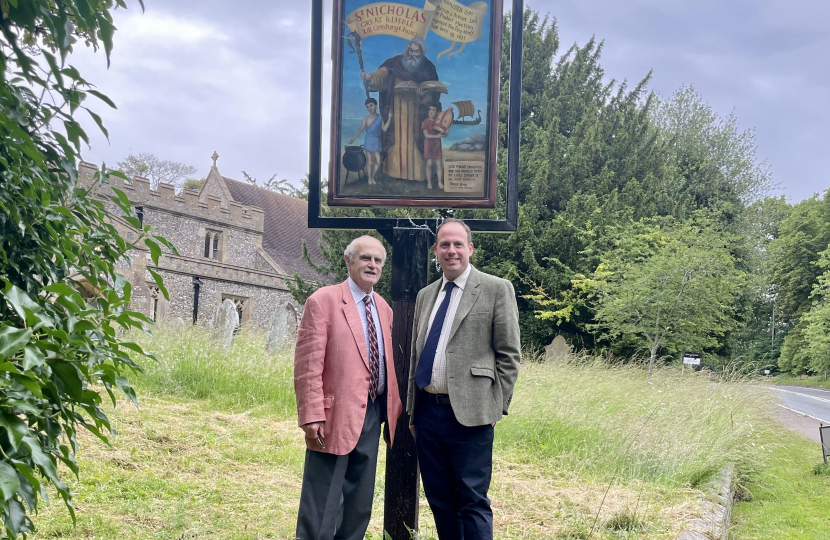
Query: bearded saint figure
x: 398, y: 82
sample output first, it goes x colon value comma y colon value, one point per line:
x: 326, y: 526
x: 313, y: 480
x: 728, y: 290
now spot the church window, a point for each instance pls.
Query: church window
x: 213, y: 245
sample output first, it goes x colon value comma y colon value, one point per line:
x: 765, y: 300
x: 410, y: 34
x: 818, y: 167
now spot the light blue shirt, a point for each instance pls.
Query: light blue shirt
x: 359, y: 294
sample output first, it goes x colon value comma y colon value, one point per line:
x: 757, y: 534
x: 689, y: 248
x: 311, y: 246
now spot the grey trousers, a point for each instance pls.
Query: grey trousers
x: 337, y: 492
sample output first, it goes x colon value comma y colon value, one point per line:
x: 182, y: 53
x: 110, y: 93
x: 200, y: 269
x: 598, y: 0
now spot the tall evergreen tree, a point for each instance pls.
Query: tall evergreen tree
x: 793, y: 255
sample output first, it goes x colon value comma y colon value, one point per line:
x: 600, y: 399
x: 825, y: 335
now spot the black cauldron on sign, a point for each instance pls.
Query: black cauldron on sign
x: 354, y: 160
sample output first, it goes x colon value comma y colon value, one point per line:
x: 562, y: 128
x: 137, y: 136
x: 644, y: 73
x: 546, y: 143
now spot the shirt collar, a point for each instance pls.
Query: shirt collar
x: 460, y: 281
x: 359, y: 294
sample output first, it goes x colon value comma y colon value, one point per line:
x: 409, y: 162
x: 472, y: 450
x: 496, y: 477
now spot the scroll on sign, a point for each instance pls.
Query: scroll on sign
x: 447, y: 18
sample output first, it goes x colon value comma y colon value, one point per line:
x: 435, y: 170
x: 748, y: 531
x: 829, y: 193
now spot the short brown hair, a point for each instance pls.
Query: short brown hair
x: 460, y: 222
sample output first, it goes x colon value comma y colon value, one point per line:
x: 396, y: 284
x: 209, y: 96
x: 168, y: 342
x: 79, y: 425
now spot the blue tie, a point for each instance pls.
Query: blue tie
x: 423, y: 374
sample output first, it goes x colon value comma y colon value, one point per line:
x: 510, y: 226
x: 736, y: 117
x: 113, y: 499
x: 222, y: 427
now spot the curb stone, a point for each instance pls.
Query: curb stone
x: 714, y: 515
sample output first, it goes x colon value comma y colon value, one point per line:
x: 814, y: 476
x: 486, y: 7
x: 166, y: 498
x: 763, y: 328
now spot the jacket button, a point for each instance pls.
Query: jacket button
x: 363, y: 406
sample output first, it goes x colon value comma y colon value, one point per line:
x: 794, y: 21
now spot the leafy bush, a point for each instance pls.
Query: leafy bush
x: 63, y: 299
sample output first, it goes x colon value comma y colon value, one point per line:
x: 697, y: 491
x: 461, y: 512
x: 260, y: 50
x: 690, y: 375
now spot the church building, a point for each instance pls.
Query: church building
x: 235, y: 241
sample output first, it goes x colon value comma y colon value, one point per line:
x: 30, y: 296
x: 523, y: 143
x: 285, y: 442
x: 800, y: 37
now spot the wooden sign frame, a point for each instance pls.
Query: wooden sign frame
x: 385, y: 225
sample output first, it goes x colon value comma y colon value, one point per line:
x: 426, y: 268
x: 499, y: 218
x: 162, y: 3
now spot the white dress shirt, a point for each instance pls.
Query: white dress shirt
x: 438, y: 384
x: 359, y: 294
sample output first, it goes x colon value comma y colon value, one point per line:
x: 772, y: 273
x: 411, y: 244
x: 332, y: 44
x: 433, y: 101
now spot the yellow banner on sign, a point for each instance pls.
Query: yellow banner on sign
x: 386, y: 18
x: 447, y: 18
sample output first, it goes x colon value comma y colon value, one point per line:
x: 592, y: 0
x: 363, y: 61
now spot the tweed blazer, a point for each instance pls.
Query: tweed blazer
x: 331, y: 368
x: 483, y: 349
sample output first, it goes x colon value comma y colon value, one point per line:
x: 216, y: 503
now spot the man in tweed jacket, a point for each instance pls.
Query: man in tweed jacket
x: 464, y: 363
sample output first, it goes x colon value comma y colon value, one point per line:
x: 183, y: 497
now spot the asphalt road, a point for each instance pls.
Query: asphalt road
x: 809, y: 401
x: 804, y: 409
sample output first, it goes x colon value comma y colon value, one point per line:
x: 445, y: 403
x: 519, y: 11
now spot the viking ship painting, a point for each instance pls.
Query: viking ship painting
x: 465, y: 109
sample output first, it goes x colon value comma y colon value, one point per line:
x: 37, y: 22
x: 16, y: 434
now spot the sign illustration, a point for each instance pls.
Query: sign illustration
x: 415, y: 103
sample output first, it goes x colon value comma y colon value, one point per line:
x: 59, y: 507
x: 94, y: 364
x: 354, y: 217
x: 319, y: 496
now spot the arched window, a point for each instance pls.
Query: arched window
x: 213, y: 245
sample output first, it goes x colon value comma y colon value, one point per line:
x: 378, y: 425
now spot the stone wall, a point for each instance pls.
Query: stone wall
x: 237, y: 246
x: 243, y: 270
x: 261, y: 302
x: 240, y: 248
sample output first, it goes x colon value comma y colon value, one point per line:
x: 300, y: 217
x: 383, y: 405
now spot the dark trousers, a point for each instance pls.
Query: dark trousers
x: 456, y: 464
x: 337, y: 492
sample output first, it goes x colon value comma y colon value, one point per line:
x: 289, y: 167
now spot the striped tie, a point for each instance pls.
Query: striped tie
x: 374, y: 360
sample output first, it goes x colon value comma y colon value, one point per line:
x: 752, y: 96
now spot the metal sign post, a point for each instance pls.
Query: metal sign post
x: 410, y: 240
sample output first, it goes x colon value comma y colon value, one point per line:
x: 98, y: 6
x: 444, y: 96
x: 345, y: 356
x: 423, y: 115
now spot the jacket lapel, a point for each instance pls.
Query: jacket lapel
x: 426, y: 310
x: 468, y: 298
x: 353, y: 319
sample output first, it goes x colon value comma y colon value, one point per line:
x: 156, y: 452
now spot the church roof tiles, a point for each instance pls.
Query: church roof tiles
x: 285, y: 227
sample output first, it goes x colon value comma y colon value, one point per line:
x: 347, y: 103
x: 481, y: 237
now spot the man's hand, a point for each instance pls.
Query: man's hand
x: 412, y: 429
x: 314, y: 430
x: 365, y: 76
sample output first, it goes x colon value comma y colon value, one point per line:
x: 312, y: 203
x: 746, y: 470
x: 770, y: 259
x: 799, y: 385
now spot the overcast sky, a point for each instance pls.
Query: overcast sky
x: 193, y: 76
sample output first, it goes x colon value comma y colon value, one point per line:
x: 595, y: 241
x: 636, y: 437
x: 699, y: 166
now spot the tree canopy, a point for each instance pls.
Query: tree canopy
x: 157, y: 171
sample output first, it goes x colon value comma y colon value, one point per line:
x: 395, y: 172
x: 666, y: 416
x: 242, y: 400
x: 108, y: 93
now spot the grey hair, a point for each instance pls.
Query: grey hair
x: 350, y: 250
x: 418, y: 40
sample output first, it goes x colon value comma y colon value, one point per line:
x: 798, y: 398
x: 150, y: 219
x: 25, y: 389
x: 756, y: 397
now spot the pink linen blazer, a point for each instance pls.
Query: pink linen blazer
x: 331, y: 368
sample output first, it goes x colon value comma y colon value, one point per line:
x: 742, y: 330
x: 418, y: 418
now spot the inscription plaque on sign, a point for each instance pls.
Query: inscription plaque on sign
x: 464, y: 177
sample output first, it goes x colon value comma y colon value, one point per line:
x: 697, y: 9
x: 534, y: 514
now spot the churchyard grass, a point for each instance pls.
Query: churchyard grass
x: 213, y: 452
x: 192, y: 365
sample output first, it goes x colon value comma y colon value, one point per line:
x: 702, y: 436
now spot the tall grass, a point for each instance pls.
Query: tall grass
x: 594, y: 419
x: 244, y: 377
x: 580, y: 418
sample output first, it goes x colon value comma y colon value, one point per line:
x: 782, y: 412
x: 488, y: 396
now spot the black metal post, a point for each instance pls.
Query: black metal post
x: 197, y: 283
x: 410, y: 257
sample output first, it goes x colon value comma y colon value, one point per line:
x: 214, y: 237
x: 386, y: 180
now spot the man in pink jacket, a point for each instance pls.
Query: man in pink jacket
x: 344, y: 378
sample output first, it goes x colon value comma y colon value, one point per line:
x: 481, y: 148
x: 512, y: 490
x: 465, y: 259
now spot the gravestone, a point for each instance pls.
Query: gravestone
x: 225, y: 323
x: 281, y: 327
x: 557, y: 350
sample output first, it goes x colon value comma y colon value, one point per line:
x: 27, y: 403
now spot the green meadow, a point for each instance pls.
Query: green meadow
x: 589, y: 450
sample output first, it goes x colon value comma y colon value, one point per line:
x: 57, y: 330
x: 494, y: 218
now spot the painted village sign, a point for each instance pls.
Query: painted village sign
x: 415, y: 103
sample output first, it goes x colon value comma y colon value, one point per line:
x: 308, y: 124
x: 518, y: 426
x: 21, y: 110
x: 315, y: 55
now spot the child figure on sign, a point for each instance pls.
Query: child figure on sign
x: 435, y: 128
x: 373, y: 124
